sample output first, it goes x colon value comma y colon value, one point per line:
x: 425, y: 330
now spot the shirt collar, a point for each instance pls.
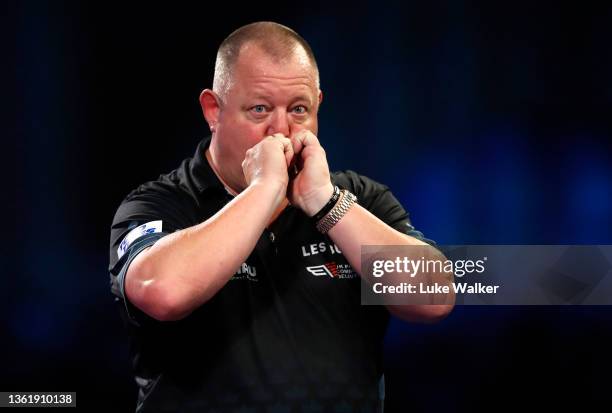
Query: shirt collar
x: 203, y: 175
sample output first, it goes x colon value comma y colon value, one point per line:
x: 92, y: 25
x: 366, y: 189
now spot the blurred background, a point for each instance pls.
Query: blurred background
x: 490, y: 121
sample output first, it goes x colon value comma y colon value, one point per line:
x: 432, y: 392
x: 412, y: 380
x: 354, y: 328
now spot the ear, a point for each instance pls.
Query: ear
x: 210, y: 103
x: 320, y: 97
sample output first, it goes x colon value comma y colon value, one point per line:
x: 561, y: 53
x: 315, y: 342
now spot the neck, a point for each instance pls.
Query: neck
x: 211, y: 160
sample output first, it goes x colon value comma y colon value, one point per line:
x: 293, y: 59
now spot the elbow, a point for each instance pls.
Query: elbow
x: 155, y: 297
x: 426, y: 314
x: 436, y: 312
x: 162, y: 304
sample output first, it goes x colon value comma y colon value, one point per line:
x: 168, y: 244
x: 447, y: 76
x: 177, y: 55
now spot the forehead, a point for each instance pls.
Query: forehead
x: 256, y: 71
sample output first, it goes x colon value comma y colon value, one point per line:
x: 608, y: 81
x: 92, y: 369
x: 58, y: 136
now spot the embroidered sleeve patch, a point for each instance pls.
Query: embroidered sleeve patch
x: 144, y: 229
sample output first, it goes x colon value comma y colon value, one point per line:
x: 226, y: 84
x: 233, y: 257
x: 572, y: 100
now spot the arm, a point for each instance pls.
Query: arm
x: 185, y: 269
x: 358, y: 227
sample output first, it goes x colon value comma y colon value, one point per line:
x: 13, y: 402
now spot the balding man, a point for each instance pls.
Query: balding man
x: 238, y: 272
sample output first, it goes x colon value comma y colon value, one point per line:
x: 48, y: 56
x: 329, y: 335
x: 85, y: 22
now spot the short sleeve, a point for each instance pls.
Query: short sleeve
x: 147, y: 214
x: 378, y: 199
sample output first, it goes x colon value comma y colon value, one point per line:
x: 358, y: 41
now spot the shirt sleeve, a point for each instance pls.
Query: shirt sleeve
x: 147, y: 214
x: 378, y: 199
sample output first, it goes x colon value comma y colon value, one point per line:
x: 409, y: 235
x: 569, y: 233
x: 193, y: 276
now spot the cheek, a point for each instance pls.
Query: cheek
x: 243, y: 136
x: 251, y: 134
x: 241, y: 129
x: 246, y: 127
x: 310, y: 124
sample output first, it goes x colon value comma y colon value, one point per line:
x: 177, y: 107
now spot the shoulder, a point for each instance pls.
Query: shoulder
x: 169, y: 192
x: 157, y: 207
x: 351, y: 180
x: 366, y: 189
x: 378, y: 199
x: 182, y: 186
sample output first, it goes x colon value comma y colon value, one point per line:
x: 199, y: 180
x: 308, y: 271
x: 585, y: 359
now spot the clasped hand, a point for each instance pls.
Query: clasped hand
x: 297, y: 164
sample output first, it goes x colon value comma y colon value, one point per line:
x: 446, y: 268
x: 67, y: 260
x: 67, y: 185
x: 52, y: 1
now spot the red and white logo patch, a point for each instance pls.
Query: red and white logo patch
x: 333, y: 270
x: 329, y: 268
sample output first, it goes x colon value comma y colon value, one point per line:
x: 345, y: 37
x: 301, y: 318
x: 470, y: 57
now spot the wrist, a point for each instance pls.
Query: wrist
x: 273, y: 190
x: 318, y: 200
x: 339, y: 210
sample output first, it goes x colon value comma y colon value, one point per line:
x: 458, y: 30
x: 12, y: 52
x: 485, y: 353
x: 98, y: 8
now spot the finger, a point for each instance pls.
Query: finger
x: 306, y: 138
x: 297, y: 144
x: 287, y: 146
x: 275, y: 137
x: 287, y: 149
x: 310, y: 145
x: 279, y: 136
x: 293, y: 169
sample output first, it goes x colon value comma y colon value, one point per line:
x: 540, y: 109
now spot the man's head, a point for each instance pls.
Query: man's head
x: 266, y: 81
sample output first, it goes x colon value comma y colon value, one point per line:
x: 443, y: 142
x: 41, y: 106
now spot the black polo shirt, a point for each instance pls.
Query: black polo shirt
x: 287, y: 332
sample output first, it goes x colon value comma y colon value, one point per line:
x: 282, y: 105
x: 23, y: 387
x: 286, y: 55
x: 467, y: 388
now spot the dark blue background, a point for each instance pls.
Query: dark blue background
x: 490, y: 121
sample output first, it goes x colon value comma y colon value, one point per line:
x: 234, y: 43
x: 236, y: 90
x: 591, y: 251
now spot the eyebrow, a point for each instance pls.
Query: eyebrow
x: 259, y: 96
x: 301, y: 97
x: 268, y: 98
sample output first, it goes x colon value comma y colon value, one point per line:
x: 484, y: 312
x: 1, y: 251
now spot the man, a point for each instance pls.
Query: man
x: 238, y: 271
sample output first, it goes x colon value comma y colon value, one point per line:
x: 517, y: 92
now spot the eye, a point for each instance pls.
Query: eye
x: 300, y: 109
x: 258, y: 109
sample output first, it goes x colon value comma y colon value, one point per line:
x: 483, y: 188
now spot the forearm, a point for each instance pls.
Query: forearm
x: 185, y: 269
x: 359, y: 227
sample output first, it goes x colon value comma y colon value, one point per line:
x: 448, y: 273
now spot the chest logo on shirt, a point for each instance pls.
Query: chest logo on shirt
x: 314, y: 249
x: 333, y: 270
x: 325, y: 269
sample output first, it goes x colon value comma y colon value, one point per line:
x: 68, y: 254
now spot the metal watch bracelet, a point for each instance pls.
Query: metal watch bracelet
x: 345, y: 202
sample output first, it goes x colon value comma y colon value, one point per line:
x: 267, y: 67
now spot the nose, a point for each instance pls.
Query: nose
x: 279, y: 123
